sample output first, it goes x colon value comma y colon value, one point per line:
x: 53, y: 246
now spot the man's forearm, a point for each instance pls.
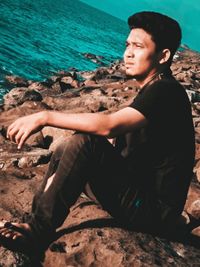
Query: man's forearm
x: 108, y: 125
x: 94, y: 123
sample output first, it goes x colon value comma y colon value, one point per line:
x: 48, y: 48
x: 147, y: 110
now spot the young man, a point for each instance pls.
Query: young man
x: 143, y: 180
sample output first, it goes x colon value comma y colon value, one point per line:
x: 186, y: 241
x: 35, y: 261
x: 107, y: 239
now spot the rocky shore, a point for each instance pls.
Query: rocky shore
x: 90, y: 237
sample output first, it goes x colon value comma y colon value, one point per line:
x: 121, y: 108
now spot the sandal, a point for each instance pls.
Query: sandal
x: 26, y: 243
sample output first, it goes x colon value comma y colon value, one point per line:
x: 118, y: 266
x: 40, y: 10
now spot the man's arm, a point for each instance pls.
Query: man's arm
x: 108, y: 125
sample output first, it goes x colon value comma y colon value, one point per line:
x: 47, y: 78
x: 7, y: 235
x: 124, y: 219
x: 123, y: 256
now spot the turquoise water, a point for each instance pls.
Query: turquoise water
x: 41, y: 37
x: 186, y: 12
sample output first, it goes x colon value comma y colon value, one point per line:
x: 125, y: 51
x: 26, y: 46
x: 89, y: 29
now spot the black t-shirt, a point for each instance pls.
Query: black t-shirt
x: 162, y: 153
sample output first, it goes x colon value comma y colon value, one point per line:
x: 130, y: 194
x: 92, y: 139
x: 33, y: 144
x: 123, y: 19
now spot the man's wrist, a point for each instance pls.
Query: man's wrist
x: 44, y: 118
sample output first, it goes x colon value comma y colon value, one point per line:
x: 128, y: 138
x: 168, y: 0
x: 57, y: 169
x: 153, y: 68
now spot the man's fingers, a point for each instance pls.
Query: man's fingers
x: 10, y: 128
x: 20, y: 129
x: 18, y: 136
x: 22, y: 140
x: 12, y: 133
x: 17, y: 133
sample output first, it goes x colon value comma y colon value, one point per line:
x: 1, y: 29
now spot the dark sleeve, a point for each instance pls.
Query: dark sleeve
x: 152, y: 100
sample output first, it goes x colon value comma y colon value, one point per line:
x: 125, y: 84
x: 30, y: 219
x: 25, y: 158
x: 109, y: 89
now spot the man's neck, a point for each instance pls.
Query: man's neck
x: 153, y: 76
x: 142, y: 82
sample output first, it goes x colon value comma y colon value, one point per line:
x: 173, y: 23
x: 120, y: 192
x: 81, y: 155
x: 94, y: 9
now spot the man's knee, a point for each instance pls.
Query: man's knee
x: 80, y: 137
x: 60, y: 148
x: 76, y: 142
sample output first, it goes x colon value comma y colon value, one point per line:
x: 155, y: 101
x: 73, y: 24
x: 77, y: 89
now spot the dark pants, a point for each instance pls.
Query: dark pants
x: 87, y: 160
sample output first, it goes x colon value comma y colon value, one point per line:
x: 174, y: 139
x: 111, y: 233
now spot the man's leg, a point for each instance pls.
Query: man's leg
x: 83, y: 159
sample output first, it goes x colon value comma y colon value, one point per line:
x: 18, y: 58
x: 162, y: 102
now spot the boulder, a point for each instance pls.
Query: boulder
x: 16, y: 80
x: 19, y: 95
x: 27, y: 157
x: 38, y: 86
x: 100, y: 74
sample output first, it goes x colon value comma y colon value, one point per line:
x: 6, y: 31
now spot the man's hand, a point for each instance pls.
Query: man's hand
x: 23, y: 127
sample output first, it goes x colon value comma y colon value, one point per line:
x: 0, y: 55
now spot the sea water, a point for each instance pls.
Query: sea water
x: 41, y: 37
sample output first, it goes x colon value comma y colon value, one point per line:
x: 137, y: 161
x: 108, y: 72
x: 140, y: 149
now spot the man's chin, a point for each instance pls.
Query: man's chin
x: 130, y: 74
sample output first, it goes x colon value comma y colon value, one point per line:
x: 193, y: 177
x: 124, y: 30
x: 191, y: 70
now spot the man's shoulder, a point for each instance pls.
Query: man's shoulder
x: 165, y: 86
x: 166, y: 82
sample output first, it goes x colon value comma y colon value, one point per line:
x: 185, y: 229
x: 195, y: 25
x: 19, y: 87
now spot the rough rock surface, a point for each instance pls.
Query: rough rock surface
x: 89, y: 236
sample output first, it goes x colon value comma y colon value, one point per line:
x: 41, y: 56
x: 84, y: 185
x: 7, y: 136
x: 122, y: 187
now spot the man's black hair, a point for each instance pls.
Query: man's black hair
x: 165, y: 31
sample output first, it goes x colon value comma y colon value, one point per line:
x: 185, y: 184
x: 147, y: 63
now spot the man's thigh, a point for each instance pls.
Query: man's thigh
x: 111, y: 181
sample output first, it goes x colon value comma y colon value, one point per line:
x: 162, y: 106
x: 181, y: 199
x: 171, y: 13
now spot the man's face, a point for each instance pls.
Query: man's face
x: 140, y: 57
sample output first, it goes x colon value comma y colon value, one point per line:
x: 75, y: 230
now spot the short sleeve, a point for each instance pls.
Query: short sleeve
x: 151, y: 100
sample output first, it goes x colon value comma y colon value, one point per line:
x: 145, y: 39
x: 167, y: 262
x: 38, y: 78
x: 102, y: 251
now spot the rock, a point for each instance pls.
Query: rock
x: 72, y: 74
x: 89, y: 83
x: 37, y: 86
x: 31, y: 95
x: 87, y: 75
x: 94, y: 58
x: 19, y: 95
x: 65, y: 86
x: 55, y: 136
x: 36, y: 140
x: 70, y: 80
x: 91, y: 238
x: 194, y: 209
x: 196, y: 232
x: 14, y: 97
x: 57, y: 87
x: 181, y: 77
x: 28, y: 157
x: 2, y: 138
x: 68, y: 83
x: 16, y: 80
x: 198, y: 172
x: 100, y: 74
x: 196, y: 76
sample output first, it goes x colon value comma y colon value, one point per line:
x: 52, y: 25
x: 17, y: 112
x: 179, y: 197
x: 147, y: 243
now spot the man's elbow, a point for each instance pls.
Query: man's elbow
x: 107, y: 128
x: 110, y: 132
x: 105, y: 133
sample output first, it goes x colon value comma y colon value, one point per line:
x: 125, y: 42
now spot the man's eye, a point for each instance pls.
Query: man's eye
x: 126, y: 44
x: 138, y: 45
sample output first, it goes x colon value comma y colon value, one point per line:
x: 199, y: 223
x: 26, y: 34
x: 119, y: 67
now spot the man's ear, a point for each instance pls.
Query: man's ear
x: 164, y: 55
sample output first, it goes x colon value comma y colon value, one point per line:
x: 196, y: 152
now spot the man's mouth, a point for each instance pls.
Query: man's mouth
x: 129, y: 64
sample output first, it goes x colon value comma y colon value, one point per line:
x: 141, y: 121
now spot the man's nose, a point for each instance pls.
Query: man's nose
x: 128, y: 52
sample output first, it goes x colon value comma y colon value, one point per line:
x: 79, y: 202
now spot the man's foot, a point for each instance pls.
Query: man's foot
x: 7, y: 230
x: 19, y: 237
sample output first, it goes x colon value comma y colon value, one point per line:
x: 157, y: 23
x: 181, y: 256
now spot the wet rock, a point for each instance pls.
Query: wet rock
x: 16, y: 80
x: 94, y: 58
